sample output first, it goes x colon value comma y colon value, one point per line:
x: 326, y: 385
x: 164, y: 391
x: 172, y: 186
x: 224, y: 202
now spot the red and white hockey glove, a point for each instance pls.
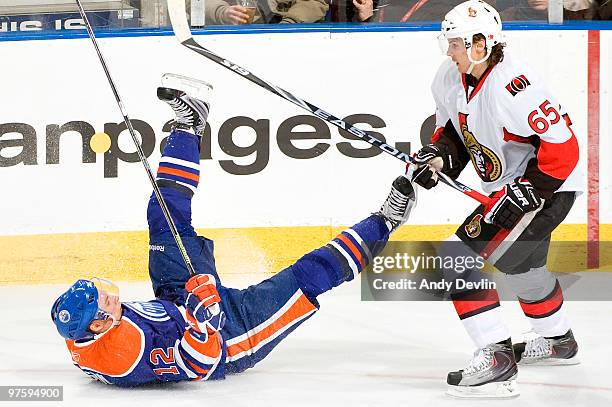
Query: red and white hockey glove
x: 428, y: 160
x: 510, y: 203
x: 204, y: 312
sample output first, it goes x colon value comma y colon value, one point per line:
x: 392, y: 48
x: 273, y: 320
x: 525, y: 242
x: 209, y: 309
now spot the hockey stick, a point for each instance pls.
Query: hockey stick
x: 178, y: 19
x: 143, y: 158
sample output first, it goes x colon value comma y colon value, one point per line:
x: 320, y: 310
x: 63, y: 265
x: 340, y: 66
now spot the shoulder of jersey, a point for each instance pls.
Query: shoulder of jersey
x: 512, y: 78
x: 114, y: 354
x: 447, y: 74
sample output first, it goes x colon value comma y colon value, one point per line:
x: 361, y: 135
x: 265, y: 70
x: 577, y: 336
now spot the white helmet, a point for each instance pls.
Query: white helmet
x: 468, y: 19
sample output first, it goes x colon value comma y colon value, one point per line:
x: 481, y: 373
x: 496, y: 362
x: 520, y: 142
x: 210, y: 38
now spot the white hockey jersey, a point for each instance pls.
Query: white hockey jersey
x: 510, y: 125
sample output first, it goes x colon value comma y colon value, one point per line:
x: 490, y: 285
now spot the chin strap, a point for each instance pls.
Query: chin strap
x: 116, y: 322
x: 474, y: 63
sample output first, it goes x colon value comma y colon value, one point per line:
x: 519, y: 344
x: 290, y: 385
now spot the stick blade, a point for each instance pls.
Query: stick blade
x: 178, y: 19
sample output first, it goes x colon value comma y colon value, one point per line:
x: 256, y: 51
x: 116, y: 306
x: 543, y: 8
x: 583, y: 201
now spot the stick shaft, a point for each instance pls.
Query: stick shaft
x: 176, y: 9
x: 141, y: 154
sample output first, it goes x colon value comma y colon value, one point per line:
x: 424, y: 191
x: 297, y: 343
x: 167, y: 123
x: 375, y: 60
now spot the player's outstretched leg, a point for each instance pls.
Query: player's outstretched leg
x: 178, y: 174
x: 344, y: 257
x: 178, y: 177
x: 260, y: 316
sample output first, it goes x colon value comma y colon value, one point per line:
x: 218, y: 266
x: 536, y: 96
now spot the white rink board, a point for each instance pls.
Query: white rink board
x: 382, y: 74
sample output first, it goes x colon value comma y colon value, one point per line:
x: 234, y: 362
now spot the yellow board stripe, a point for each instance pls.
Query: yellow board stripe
x: 122, y: 256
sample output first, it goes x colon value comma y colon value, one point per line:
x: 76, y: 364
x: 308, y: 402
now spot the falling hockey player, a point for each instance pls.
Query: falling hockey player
x: 197, y: 329
x: 497, y: 113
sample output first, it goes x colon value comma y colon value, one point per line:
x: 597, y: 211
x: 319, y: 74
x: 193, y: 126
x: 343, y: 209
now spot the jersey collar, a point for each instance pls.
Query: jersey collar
x: 469, y: 80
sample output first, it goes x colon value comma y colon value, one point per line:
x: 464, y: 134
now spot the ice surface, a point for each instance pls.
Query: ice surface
x: 351, y: 353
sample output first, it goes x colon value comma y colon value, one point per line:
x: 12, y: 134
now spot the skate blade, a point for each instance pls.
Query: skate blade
x: 496, y: 390
x: 193, y: 87
x: 550, y: 362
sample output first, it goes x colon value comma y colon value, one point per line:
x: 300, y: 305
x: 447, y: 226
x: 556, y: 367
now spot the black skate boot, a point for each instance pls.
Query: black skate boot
x: 490, y: 374
x: 399, y: 203
x: 189, y: 99
x: 560, y: 350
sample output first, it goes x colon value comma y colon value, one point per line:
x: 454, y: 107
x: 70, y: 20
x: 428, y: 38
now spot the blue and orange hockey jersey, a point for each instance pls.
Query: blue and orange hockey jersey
x: 154, y: 343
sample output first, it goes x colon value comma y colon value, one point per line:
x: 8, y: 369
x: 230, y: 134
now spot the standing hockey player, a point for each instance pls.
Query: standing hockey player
x: 196, y: 328
x: 497, y: 113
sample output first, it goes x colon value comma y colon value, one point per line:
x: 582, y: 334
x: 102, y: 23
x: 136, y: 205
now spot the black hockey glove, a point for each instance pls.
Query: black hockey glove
x: 509, y: 204
x: 429, y: 160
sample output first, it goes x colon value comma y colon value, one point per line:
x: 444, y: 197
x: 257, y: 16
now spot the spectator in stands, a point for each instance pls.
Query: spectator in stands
x: 268, y: 11
x: 538, y: 9
x: 600, y: 10
x: 402, y: 10
x: 363, y: 11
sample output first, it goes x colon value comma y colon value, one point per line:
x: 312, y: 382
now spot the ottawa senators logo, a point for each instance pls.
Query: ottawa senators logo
x: 517, y: 85
x: 487, y: 164
x: 473, y: 228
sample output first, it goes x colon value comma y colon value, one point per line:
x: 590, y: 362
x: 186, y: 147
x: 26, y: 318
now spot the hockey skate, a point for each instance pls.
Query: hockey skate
x: 189, y: 98
x: 548, y: 351
x: 490, y: 374
x: 399, y: 203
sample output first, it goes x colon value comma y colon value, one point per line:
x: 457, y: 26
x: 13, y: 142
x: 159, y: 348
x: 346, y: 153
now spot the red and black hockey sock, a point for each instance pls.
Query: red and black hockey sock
x: 475, y: 302
x: 545, y: 307
x: 547, y: 315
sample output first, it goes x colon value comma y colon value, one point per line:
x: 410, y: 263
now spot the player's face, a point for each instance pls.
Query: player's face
x: 108, y: 297
x: 458, y: 53
x: 109, y: 303
x: 109, y: 306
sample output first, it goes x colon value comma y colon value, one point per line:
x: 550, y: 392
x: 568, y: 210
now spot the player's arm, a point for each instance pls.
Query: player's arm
x: 219, y: 12
x: 534, y: 115
x: 200, y: 349
x: 446, y: 152
x: 454, y: 154
x: 556, y: 154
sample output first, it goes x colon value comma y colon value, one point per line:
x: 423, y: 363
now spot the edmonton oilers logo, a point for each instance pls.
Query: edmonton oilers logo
x: 517, y: 85
x: 64, y: 316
